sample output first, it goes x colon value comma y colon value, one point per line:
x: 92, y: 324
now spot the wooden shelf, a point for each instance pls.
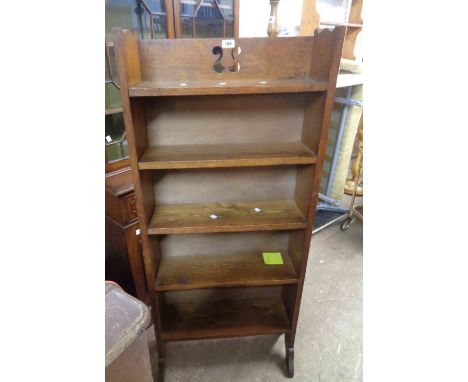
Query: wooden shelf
x: 226, y: 318
x: 235, y: 217
x: 224, y: 86
x: 226, y: 155
x: 236, y: 270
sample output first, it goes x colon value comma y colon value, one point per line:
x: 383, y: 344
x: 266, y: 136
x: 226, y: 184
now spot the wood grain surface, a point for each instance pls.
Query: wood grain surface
x: 226, y: 155
x: 231, y: 270
x: 191, y: 60
x: 228, y: 318
x: 233, y: 217
x: 226, y: 86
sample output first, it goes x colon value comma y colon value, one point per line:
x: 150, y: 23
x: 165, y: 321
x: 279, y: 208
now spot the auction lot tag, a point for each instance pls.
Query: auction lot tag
x: 272, y: 258
x: 228, y: 43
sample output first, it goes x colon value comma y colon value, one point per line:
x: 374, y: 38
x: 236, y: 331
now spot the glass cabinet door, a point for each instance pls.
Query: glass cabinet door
x: 151, y: 18
x: 205, y: 18
x: 115, y: 139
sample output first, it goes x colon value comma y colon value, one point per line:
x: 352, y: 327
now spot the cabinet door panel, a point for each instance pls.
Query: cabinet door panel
x: 205, y: 18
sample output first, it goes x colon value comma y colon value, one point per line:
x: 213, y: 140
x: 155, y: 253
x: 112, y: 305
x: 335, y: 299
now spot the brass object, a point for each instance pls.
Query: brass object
x: 350, y: 183
x: 355, y: 211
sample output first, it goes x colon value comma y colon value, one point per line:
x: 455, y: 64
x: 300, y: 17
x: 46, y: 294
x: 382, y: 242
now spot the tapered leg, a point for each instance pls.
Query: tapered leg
x: 289, y: 345
x: 161, y: 361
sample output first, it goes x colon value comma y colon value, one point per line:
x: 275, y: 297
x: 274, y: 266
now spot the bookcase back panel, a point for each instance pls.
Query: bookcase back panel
x: 224, y: 185
x: 219, y: 244
x: 216, y: 294
x: 225, y: 119
x: 193, y: 59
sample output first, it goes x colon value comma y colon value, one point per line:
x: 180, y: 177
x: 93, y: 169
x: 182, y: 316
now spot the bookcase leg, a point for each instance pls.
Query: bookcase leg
x: 161, y: 362
x: 289, y: 344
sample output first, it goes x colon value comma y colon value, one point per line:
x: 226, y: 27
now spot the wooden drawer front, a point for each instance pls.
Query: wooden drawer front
x: 129, y: 208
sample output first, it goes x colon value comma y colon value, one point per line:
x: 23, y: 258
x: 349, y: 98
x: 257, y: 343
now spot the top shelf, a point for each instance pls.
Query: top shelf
x: 178, y: 67
x: 204, y: 87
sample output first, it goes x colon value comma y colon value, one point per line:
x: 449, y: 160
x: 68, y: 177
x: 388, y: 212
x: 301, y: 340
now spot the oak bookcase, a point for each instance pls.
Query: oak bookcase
x: 226, y: 146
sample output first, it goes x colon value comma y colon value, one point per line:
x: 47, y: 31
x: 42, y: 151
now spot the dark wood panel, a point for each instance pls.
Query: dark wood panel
x: 117, y: 266
x: 224, y: 243
x: 208, y: 295
x: 119, y: 182
x: 312, y: 122
x: 119, y: 191
x: 296, y: 248
x: 226, y: 155
x: 226, y: 318
x: 235, y: 217
x: 304, y: 188
x: 225, y: 86
x: 208, y: 271
x: 136, y: 262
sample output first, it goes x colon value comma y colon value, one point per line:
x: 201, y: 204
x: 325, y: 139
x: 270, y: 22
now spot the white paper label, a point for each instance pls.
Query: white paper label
x: 271, y: 20
x: 228, y: 43
x: 108, y: 138
x: 214, y: 216
x: 256, y: 209
x: 138, y: 231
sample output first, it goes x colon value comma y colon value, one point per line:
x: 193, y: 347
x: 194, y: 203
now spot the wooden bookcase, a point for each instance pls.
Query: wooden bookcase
x: 245, y: 147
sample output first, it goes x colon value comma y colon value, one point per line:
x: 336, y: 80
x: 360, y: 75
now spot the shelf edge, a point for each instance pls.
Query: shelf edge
x: 170, y: 165
x: 227, y: 228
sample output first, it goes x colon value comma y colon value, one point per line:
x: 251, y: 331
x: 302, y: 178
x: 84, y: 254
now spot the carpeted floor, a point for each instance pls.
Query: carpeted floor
x: 329, y: 337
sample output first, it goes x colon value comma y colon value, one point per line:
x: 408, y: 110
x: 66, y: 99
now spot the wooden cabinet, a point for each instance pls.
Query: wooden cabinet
x: 123, y: 240
x: 226, y: 148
